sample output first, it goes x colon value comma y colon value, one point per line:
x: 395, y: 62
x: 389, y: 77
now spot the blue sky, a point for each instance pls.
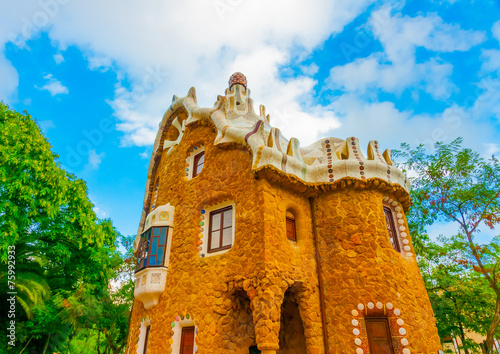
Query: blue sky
x: 98, y: 76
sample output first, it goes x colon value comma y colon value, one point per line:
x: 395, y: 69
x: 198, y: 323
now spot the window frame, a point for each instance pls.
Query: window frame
x: 196, y: 164
x: 221, y: 229
x: 291, y: 220
x: 391, y: 229
x: 385, y: 320
x: 147, y: 239
x: 191, y: 328
x: 146, y: 340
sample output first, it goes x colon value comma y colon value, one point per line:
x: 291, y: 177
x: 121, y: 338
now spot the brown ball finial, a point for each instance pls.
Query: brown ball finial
x: 237, y: 78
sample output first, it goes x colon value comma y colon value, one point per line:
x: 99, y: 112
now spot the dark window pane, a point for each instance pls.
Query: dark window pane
x: 154, y: 246
x: 156, y: 231
x: 393, y: 236
x: 163, y: 235
x: 290, y: 229
x: 159, y: 260
x: 152, y: 260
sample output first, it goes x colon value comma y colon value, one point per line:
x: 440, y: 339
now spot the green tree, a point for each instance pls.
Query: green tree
x: 456, y: 185
x: 60, y: 244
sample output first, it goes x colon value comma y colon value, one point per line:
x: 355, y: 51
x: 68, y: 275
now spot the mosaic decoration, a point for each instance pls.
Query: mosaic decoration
x: 156, y: 278
x: 164, y: 216
x: 183, y: 320
x: 378, y: 309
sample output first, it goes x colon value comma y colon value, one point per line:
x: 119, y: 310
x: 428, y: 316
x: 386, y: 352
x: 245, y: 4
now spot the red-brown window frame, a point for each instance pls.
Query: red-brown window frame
x: 146, y: 340
x: 219, y: 211
x: 388, y: 331
x: 391, y: 229
x: 147, y: 240
x: 183, y: 332
x: 196, y: 163
x: 291, y: 231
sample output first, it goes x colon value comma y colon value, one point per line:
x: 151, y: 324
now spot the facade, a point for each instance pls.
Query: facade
x: 250, y: 243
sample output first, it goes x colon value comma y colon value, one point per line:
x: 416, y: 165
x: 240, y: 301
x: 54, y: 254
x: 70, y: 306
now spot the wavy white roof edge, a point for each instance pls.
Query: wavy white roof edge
x: 326, y: 161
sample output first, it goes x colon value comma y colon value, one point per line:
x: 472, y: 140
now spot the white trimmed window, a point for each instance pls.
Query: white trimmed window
x: 195, y: 161
x: 218, y: 229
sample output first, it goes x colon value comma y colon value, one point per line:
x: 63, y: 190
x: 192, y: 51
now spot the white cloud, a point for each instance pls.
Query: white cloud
x: 10, y: 79
x: 145, y: 154
x: 396, y: 68
x: 491, y: 149
x: 382, y: 121
x: 363, y: 75
x: 45, y: 125
x: 401, y: 35
x: 95, y: 160
x: 185, y: 38
x: 496, y: 30
x: 58, y: 58
x: 54, y: 86
x: 491, y: 60
x: 99, y: 63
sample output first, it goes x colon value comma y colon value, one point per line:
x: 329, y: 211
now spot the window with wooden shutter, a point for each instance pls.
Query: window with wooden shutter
x: 199, y: 161
x: 187, y: 340
x: 290, y: 227
x: 379, y: 335
x: 220, y: 232
x: 391, y: 229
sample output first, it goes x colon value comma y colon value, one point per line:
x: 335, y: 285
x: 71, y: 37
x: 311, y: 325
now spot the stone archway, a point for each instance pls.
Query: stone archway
x: 292, y: 339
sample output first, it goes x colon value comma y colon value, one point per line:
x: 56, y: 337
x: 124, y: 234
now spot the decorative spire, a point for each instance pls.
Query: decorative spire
x: 237, y: 78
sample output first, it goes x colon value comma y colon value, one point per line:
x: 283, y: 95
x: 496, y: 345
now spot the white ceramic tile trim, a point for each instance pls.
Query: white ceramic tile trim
x: 179, y: 324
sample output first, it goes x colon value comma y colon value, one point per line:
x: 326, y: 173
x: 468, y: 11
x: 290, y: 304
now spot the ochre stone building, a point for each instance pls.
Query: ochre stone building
x: 250, y: 243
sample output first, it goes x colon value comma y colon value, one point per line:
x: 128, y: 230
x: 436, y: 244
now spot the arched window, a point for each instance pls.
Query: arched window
x: 199, y: 161
x: 291, y: 231
x: 195, y: 161
x: 391, y: 229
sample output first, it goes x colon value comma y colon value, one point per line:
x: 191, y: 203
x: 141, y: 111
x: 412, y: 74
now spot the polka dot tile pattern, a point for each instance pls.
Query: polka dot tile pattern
x: 237, y: 78
x: 378, y: 309
x: 329, y: 166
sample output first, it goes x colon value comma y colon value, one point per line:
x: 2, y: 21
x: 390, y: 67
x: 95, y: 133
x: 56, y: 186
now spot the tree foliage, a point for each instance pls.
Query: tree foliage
x: 65, y: 256
x: 456, y: 185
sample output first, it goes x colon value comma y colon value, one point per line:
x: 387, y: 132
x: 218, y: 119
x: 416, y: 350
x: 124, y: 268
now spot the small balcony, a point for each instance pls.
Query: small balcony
x: 153, y: 251
x: 149, y: 285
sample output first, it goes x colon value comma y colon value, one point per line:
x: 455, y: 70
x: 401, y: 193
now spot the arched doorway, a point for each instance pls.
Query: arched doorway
x: 291, y: 336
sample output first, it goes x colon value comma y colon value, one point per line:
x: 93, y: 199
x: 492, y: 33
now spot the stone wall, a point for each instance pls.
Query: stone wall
x: 235, y: 299
x: 364, y: 276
